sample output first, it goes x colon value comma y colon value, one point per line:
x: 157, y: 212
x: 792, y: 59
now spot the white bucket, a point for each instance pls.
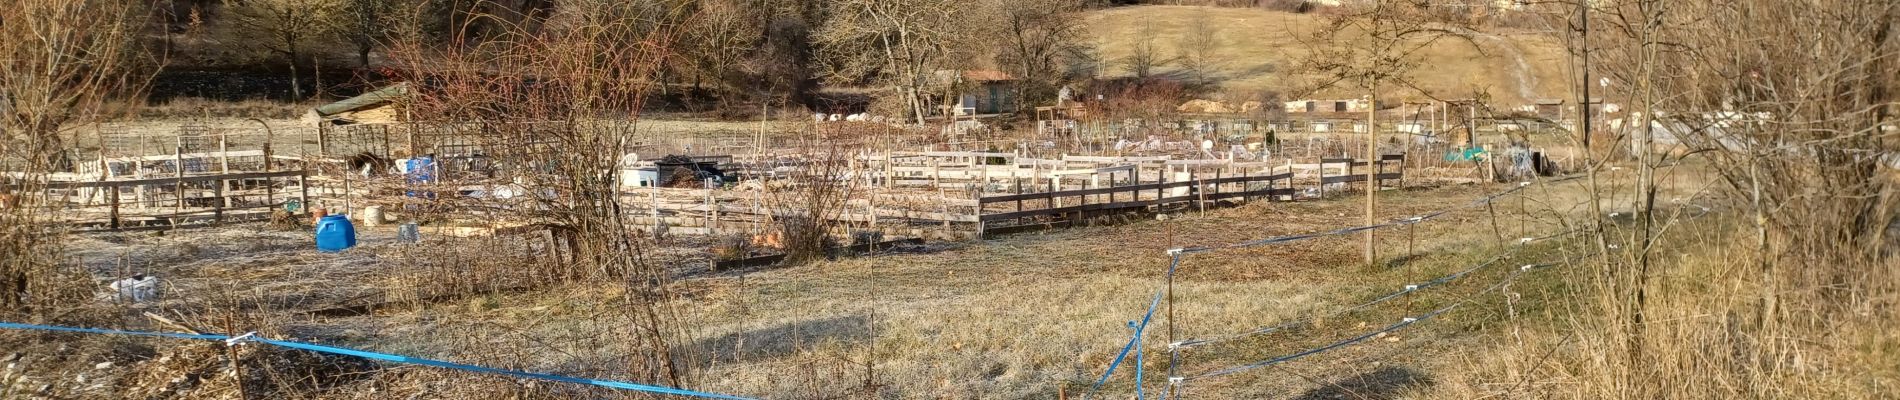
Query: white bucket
x: 372, y: 215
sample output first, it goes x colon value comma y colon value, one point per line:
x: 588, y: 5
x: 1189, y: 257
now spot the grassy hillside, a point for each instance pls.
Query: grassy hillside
x: 1262, y: 50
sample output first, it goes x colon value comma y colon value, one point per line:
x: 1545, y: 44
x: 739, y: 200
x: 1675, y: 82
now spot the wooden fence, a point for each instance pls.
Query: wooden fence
x: 163, y: 203
x: 935, y: 212
x: 1127, y: 198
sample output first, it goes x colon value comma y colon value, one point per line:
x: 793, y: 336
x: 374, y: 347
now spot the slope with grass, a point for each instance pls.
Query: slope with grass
x: 1259, y: 50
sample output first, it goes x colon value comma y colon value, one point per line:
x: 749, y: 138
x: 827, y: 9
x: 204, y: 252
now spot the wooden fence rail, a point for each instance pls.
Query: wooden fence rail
x: 188, y: 198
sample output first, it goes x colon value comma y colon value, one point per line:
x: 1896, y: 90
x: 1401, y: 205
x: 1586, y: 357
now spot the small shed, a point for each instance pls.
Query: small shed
x: 380, y: 106
x: 984, y: 92
x: 1548, y: 108
x: 1327, y: 106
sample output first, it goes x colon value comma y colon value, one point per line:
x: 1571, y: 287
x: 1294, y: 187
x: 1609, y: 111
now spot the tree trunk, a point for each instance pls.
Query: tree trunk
x: 296, y: 87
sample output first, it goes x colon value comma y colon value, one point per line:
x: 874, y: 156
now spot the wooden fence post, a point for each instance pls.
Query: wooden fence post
x: 224, y: 167
x: 217, y: 208
x: 113, y: 196
x: 1322, y: 177
x: 178, y: 187
x: 303, y: 188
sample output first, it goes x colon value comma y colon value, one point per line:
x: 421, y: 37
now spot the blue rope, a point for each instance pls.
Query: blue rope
x: 389, y: 358
x: 473, y: 368
x: 1135, y: 341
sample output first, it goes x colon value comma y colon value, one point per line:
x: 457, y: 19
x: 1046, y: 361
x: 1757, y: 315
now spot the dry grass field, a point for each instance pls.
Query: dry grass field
x: 1262, y: 50
x: 1028, y: 316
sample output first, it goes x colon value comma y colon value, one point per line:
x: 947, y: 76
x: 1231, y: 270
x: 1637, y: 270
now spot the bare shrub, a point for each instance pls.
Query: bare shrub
x: 1292, y: 6
x: 810, y: 198
x: 1787, y: 104
x: 554, y: 110
x: 59, y: 62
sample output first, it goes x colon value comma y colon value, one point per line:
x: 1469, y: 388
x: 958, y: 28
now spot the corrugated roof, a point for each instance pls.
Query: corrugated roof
x: 986, y: 75
x: 379, y: 96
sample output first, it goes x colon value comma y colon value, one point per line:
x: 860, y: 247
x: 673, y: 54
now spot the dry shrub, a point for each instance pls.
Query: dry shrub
x: 442, y: 270
x: 807, y: 206
x: 732, y: 247
x: 553, y: 109
x: 203, y: 370
x: 1292, y: 6
x: 1792, y: 296
x: 59, y: 60
x: 195, y: 107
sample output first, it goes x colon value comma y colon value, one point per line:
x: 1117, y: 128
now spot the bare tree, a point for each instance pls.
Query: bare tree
x: 1793, y: 103
x: 1371, y: 44
x: 366, y: 23
x: 722, y: 34
x: 1038, y: 36
x: 286, y: 28
x: 1200, y: 49
x: 555, y: 110
x: 900, y: 43
x: 1145, y: 57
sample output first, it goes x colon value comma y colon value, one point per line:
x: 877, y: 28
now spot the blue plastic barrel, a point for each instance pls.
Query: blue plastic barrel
x: 334, y: 233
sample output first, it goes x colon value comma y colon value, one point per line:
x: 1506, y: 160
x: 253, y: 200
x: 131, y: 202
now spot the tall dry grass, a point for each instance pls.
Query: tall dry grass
x: 554, y: 109
x: 59, y: 61
x: 1790, y: 294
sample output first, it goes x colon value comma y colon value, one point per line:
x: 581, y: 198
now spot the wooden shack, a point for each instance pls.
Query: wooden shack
x: 381, y: 106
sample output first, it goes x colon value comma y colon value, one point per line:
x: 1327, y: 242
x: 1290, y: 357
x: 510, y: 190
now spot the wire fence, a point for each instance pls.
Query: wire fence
x: 1176, y: 379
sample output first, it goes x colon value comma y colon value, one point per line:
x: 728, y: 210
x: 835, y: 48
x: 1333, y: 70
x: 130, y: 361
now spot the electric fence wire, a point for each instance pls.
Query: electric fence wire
x: 1356, y: 229
x: 1178, y: 254
x: 1402, y: 292
x: 1405, y: 322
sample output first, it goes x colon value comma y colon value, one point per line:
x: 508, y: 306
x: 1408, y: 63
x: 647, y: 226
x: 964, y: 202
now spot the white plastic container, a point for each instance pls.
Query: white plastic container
x: 137, y: 289
x: 373, y: 216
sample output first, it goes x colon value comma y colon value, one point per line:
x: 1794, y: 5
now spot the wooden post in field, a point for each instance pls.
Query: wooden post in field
x: 224, y: 167
x: 1523, y: 214
x: 178, y: 188
x: 1200, y: 190
x: 270, y: 185
x: 1372, y: 174
x: 323, y: 141
x: 943, y: 200
x: 237, y: 366
x: 113, y: 196
x: 349, y: 197
x: 1095, y: 182
x: 217, y: 208
x: 1411, y: 236
x: 1217, y: 175
x: 1055, y: 185
x: 303, y: 189
x: 1161, y: 183
x: 870, y: 211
